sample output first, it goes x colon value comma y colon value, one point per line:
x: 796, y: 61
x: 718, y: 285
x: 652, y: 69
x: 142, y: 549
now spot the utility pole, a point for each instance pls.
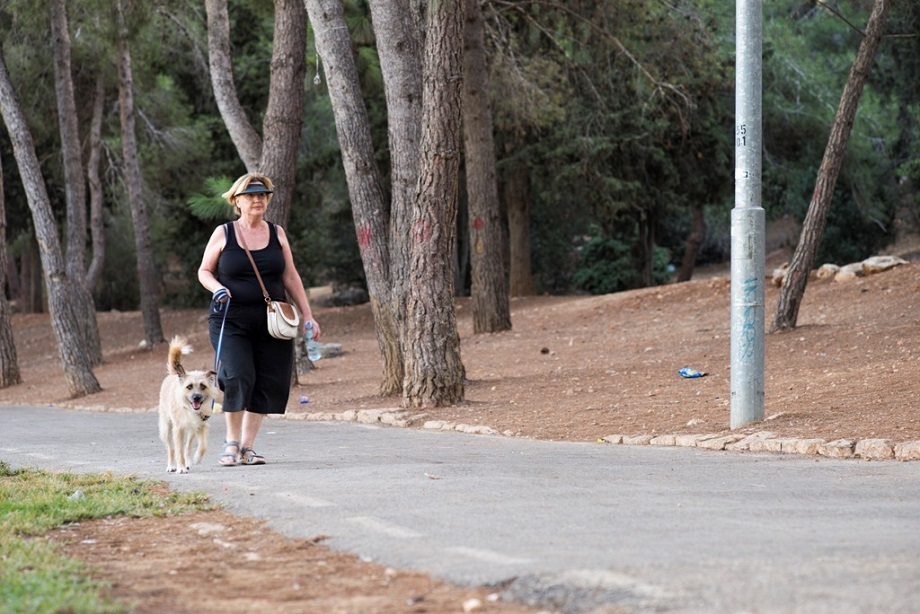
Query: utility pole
x: 748, y: 222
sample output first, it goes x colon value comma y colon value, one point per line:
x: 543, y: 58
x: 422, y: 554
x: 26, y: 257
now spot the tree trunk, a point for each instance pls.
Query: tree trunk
x: 516, y: 197
x: 244, y: 136
x: 365, y: 184
x: 282, y: 123
x: 647, y: 245
x: 9, y: 363
x: 31, y: 291
x: 96, y: 211
x: 146, y: 266
x: 803, y: 260
x: 694, y: 241
x: 77, y: 368
x: 434, y: 372
x: 74, y: 183
x: 12, y: 279
x: 399, y: 46
x: 491, y: 310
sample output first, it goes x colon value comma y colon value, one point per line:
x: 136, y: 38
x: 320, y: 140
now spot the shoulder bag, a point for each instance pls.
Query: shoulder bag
x: 283, y: 318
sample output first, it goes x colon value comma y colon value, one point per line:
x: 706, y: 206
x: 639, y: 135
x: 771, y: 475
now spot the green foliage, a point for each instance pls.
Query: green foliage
x: 210, y: 205
x: 620, y: 114
x: 606, y: 266
x: 807, y: 61
x: 251, y: 27
x: 634, y: 159
x: 635, y: 142
x: 856, y: 229
x: 34, y: 576
x: 118, y: 286
x: 610, y: 265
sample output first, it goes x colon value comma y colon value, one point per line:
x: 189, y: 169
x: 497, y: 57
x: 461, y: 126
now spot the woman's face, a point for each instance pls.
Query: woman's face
x: 252, y: 204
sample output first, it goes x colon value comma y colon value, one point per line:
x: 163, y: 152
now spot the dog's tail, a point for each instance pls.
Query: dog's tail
x: 177, y: 347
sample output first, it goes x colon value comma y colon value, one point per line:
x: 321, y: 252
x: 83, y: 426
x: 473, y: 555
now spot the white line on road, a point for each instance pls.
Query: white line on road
x: 375, y: 524
x: 304, y: 500
x: 40, y: 456
x: 488, y: 556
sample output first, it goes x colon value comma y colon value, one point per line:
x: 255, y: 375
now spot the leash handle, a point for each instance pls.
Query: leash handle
x: 222, y: 298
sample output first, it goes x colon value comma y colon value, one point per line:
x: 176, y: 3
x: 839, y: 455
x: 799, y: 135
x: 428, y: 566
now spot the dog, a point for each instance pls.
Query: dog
x: 185, y: 407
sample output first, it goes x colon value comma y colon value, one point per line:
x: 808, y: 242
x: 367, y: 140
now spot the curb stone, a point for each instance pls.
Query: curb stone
x: 839, y: 448
x: 768, y: 445
x: 745, y: 444
x: 759, y: 441
x: 803, y: 446
x: 874, y: 449
x: 907, y: 451
x: 766, y: 441
x: 389, y: 417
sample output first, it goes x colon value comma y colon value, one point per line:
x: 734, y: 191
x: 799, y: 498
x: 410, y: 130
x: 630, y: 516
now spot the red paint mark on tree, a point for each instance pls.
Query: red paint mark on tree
x: 364, y: 235
x: 423, y: 231
x: 478, y: 223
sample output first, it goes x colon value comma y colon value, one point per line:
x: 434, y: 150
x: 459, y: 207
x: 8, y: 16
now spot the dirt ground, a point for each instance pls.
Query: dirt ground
x: 572, y: 369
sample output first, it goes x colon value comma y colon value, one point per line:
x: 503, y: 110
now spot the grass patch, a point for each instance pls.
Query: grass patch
x: 34, y: 576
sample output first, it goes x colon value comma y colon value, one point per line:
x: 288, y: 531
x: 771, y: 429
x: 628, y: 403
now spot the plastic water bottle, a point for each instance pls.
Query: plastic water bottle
x: 313, y: 352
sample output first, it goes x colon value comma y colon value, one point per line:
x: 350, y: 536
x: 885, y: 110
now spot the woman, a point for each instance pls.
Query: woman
x: 255, y: 371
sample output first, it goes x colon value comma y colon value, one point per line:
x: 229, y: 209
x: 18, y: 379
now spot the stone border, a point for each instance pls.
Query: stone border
x: 394, y: 417
x: 767, y: 441
x: 760, y: 441
x: 388, y: 417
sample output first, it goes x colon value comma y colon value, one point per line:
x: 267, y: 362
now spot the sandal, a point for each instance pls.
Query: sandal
x: 248, y: 456
x: 228, y: 458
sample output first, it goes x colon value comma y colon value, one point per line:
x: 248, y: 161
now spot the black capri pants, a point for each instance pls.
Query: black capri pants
x: 255, y: 368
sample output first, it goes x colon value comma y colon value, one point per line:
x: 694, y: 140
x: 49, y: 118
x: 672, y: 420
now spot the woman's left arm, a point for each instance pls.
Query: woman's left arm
x: 294, y: 285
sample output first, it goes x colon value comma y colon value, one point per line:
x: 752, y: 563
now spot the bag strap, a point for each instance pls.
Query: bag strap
x: 242, y: 242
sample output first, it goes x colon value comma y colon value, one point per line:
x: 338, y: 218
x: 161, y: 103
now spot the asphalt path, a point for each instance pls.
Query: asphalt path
x: 569, y: 526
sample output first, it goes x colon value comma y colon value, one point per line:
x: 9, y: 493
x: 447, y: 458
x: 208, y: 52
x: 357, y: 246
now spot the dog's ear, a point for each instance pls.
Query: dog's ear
x: 180, y: 370
x: 212, y: 374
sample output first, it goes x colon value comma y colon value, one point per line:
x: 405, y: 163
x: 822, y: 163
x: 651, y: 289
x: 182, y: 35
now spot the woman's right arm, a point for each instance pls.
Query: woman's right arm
x: 207, y: 272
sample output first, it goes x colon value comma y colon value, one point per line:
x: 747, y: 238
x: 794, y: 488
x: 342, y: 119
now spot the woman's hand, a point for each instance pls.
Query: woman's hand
x: 221, y: 295
x: 316, y: 329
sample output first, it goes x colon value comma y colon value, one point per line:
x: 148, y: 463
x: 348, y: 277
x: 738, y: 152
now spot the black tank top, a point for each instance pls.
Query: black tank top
x: 235, y: 272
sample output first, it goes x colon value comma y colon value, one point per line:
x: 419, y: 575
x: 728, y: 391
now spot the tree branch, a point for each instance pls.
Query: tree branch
x: 659, y: 86
x: 840, y: 16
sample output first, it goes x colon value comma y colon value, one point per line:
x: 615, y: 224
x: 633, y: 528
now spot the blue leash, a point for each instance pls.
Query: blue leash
x: 222, y: 298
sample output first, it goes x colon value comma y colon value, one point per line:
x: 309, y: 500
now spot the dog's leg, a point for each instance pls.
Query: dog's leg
x: 179, y: 443
x: 168, y: 435
x: 189, y: 438
x: 202, y: 444
x: 166, y: 438
x: 171, y: 465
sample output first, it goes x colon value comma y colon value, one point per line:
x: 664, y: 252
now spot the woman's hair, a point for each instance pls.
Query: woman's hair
x: 241, y: 184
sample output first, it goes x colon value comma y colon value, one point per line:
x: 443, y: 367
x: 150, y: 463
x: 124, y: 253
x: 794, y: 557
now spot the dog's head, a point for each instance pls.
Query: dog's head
x: 196, y: 390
